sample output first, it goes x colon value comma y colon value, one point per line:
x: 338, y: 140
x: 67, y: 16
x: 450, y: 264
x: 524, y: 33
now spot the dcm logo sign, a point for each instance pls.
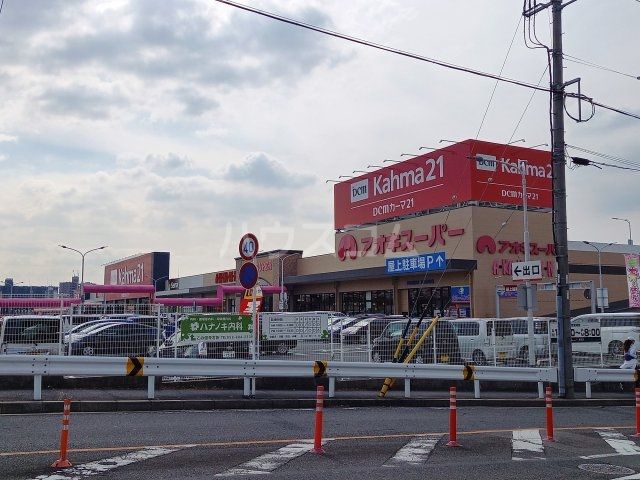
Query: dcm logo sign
x: 360, y: 190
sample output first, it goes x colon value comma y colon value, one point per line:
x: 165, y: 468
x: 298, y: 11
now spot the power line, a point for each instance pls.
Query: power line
x: 378, y: 46
x: 415, y: 56
x: 571, y: 58
x: 607, y: 156
x: 495, y: 86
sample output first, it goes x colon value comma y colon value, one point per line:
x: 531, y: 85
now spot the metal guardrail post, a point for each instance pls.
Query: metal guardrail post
x: 587, y: 389
x: 476, y: 389
x: 151, y: 388
x: 540, y: 390
x: 37, y: 387
x: 332, y: 387
x: 407, y: 388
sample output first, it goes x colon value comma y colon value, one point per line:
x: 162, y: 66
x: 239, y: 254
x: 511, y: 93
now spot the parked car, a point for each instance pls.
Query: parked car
x: 339, y: 324
x: 366, y: 329
x: 205, y: 349
x: 446, y: 351
x: 521, y: 336
x: 30, y: 334
x: 281, y: 347
x: 480, y: 344
x: 614, y: 329
x: 117, y: 339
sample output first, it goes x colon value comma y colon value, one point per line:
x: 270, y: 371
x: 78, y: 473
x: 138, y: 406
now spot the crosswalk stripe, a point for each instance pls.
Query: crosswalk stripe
x: 526, y: 442
x: 621, y: 444
x: 416, y: 452
x: 269, y: 461
x: 101, y: 466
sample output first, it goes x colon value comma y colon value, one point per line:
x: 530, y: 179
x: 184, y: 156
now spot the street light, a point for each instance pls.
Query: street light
x: 541, y: 145
x: 156, y: 280
x: 359, y: 171
x: 345, y: 176
x: 409, y: 154
x: 630, y: 241
x: 375, y: 166
x: 282, y: 259
x: 516, y: 141
x: 601, y: 293
x: 393, y: 161
x: 82, y: 274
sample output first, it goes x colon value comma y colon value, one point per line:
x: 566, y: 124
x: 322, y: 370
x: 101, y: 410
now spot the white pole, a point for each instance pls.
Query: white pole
x: 369, y: 342
x: 530, y: 327
x: 601, y: 293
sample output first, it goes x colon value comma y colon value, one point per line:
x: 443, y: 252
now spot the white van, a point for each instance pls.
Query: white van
x: 31, y: 334
x: 604, y: 332
x: 482, y: 345
x: 521, y: 332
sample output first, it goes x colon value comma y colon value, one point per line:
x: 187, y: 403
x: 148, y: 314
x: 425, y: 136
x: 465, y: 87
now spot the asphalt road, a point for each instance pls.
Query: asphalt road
x: 359, y: 444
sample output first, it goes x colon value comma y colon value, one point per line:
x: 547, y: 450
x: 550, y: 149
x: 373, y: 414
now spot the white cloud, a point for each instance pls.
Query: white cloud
x: 136, y: 123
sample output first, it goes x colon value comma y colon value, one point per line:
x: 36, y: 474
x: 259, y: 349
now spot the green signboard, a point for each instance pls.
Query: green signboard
x: 216, y: 326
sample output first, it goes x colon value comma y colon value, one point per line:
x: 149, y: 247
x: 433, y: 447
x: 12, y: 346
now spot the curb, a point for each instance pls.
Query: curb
x: 33, y: 406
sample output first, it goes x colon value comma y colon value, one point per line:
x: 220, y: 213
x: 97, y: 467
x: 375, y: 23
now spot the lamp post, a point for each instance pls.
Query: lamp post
x: 630, y: 241
x: 156, y: 280
x: 601, y: 291
x: 82, y: 254
x: 282, y: 259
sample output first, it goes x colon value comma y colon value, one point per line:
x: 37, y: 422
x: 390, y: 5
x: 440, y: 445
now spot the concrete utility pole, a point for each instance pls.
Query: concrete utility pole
x: 565, y: 360
x: 563, y: 309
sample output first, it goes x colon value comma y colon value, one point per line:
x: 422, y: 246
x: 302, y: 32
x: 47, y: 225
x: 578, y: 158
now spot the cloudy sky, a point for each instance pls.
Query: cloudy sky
x: 179, y: 125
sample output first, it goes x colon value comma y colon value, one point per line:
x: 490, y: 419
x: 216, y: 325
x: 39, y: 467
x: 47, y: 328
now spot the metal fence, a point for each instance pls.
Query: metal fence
x: 155, y: 331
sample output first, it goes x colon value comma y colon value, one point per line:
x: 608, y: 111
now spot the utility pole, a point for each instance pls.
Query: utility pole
x: 563, y: 309
x: 565, y: 360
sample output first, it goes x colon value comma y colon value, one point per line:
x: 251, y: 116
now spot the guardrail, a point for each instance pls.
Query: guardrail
x: 603, y: 375
x: 54, y: 365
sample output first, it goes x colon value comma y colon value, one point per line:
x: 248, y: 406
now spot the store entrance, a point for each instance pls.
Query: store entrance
x: 435, y: 299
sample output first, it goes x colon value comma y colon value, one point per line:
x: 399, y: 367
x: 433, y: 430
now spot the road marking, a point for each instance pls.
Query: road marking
x: 269, y: 461
x: 635, y: 476
x: 104, y: 465
x: 416, y: 452
x: 526, y: 442
x: 621, y: 444
x: 251, y: 442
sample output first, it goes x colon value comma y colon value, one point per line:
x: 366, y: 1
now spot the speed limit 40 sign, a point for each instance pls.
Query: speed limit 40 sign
x: 248, y: 246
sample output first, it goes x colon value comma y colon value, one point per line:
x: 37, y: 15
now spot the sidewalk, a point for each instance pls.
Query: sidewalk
x: 212, y: 398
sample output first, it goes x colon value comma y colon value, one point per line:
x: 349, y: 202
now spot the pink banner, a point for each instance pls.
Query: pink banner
x: 632, y: 262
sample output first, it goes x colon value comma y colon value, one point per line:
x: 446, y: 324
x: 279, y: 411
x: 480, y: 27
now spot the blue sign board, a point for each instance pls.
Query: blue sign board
x: 460, y: 294
x: 248, y: 275
x: 418, y: 263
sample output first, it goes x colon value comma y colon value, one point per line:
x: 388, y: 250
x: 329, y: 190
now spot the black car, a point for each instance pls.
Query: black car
x: 366, y: 328
x: 117, y: 339
x: 447, y: 350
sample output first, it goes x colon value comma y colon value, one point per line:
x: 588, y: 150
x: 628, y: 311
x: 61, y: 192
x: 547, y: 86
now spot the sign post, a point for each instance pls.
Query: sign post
x: 527, y: 271
x: 248, y: 248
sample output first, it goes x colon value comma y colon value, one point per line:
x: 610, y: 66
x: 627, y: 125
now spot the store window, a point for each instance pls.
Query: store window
x: 314, y: 302
x: 434, y: 299
x: 372, y: 301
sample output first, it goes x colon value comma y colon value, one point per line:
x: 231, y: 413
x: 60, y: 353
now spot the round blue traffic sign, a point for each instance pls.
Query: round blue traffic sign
x: 248, y: 275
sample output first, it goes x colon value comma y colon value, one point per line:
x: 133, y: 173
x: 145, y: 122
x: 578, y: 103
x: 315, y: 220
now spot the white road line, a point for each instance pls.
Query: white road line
x: 526, y: 442
x: 100, y: 466
x: 416, y: 452
x: 621, y: 444
x: 269, y: 461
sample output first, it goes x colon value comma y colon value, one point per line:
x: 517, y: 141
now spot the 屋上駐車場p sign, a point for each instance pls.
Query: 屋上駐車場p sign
x: 216, y: 326
x: 294, y: 326
x: 418, y: 263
